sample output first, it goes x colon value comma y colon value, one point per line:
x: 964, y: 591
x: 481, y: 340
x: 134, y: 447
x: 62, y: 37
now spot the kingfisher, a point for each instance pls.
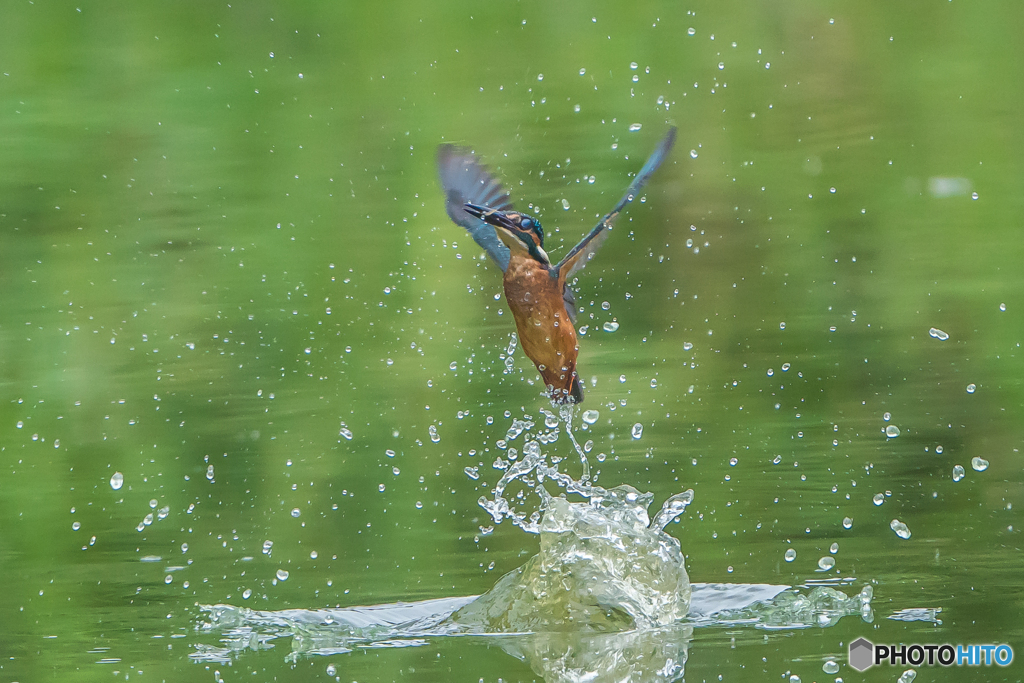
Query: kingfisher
x: 538, y: 292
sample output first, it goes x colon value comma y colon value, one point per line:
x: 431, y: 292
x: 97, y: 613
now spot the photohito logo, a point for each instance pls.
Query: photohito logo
x: 863, y: 654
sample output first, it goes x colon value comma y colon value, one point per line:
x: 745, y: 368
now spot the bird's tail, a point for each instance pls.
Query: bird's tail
x: 576, y: 389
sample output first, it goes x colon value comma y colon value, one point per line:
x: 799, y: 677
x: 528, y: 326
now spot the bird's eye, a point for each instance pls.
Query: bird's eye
x: 527, y: 223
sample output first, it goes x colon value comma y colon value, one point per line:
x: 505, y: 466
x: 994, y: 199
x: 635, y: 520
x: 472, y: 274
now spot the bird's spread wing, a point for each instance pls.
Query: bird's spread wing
x: 466, y: 180
x: 582, y: 252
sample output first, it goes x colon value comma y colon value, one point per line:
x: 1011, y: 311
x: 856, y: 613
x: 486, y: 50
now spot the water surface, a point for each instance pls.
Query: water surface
x: 228, y: 276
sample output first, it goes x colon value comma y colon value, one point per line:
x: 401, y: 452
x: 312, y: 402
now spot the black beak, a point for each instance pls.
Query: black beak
x: 476, y: 210
x: 492, y: 216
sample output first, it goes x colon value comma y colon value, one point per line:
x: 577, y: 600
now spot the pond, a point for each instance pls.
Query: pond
x: 256, y: 383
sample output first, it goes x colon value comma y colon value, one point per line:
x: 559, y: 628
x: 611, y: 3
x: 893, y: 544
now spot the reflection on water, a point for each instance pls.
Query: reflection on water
x: 644, y: 654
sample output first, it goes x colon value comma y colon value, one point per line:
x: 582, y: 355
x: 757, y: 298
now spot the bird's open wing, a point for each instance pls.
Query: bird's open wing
x: 466, y: 180
x: 585, y: 250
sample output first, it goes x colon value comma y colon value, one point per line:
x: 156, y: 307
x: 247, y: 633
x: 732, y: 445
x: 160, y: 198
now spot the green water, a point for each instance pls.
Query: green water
x: 222, y: 244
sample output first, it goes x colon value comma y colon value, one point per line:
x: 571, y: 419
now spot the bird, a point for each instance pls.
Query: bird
x: 537, y: 292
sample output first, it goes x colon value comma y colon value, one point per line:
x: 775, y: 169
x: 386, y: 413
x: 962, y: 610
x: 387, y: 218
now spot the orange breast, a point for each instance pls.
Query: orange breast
x: 545, y: 331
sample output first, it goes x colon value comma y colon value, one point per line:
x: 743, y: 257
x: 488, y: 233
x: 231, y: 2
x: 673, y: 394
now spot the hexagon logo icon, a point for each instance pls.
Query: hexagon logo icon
x: 861, y: 654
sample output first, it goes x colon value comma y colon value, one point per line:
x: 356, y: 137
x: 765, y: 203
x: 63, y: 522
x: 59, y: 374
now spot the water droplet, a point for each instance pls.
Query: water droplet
x: 331, y: 670
x: 687, y: 346
x: 777, y: 459
x: 638, y: 430
x: 974, y: 195
x: 938, y: 334
x: 958, y: 472
x: 472, y: 472
x: 938, y: 449
x: 634, y: 127
x: 434, y: 436
x: 267, y: 547
x: 565, y: 204
x: 590, y: 416
x: 654, y: 383
x: 979, y: 464
x: 693, y: 154
x: 834, y: 548
x: 909, y: 675
x: 282, y: 575
x: 825, y: 563
x: 75, y: 526
x: 583, y: 71
x: 782, y: 326
x: 892, y: 431
x: 1002, y: 307
x: 612, y: 326
x: 721, y: 65
x: 296, y: 512
x: 830, y: 667
x: 551, y: 421
x: 733, y: 462
x: 634, y: 66
x: 847, y: 522
x: 790, y: 555
x: 247, y: 593
x: 345, y: 432
x: 691, y: 31
x: 900, y: 528
x: 209, y: 472
x: 878, y: 499
x: 117, y: 481
x: 785, y: 367
x: 540, y: 77
x: 771, y: 372
x: 971, y: 388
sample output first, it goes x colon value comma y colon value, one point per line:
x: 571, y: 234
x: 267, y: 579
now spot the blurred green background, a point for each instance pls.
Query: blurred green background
x: 228, y: 275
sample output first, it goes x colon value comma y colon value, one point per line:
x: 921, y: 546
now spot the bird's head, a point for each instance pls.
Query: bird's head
x: 514, y: 228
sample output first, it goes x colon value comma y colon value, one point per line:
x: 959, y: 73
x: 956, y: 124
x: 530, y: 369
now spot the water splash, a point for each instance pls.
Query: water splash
x: 603, y: 564
x: 509, y: 354
x: 601, y: 568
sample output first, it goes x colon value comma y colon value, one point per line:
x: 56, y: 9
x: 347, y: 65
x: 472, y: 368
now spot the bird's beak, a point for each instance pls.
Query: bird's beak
x: 475, y: 209
x: 491, y: 216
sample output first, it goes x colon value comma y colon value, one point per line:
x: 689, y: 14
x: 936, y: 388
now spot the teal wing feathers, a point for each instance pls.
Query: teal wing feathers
x: 588, y: 246
x: 466, y: 180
